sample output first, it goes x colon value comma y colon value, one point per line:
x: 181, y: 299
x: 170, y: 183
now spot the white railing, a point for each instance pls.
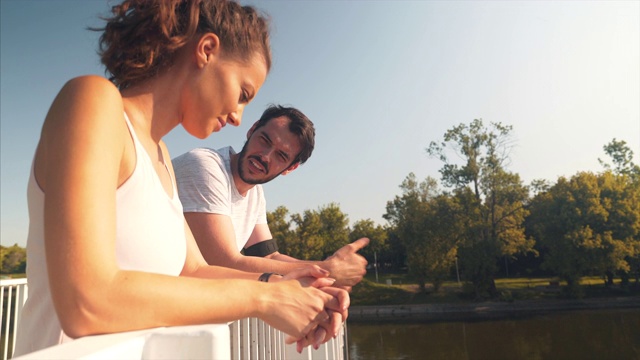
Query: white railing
x: 253, y: 339
x: 13, y: 294
x: 247, y: 339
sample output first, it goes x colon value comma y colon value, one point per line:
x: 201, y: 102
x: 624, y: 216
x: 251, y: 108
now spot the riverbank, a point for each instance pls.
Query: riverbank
x: 484, y: 310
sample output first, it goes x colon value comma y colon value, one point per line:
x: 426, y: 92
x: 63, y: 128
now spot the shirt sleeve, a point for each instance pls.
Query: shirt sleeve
x: 203, y: 185
x: 262, y: 207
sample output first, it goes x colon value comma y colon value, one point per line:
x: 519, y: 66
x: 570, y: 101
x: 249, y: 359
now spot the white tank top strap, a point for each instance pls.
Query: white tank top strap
x: 141, y: 155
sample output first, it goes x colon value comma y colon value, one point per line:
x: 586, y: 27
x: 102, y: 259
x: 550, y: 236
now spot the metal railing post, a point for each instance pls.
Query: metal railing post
x: 16, y: 294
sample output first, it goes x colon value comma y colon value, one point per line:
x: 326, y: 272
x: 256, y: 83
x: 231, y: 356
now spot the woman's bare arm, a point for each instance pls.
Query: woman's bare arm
x: 80, y: 162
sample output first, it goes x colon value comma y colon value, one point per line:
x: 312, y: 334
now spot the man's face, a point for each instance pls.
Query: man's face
x: 269, y: 151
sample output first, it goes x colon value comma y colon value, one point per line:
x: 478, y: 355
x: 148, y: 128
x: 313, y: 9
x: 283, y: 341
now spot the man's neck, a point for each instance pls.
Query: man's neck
x: 241, y: 186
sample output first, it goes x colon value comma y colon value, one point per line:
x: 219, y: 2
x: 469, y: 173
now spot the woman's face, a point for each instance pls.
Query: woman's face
x: 221, y: 91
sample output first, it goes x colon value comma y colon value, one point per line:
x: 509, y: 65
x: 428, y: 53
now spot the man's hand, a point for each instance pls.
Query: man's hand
x: 346, y: 265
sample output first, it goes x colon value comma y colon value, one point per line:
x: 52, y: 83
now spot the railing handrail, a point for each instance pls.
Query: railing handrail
x: 178, y: 342
x: 249, y: 339
x: 13, y: 282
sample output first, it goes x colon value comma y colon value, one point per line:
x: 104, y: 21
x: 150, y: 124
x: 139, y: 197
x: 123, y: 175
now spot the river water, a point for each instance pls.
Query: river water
x: 589, y: 334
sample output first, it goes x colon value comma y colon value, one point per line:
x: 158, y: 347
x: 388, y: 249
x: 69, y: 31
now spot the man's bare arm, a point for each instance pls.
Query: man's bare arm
x: 215, y: 236
x: 345, y: 265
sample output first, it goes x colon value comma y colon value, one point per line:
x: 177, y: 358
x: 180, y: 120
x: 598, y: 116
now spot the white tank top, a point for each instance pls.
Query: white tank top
x: 150, y: 237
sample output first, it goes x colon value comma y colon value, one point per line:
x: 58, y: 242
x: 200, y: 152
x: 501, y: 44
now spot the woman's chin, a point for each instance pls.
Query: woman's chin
x: 201, y: 134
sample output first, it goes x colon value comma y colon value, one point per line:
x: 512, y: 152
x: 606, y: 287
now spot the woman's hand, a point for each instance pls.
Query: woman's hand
x: 335, y: 302
x: 326, y: 330
x: 294, y: 307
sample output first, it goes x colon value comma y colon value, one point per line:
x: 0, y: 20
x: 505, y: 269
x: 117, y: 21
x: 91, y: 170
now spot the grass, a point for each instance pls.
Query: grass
x: 404, y: 290
x: 13, y: 276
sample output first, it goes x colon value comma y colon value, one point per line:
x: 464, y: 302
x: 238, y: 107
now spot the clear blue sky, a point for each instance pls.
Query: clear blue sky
x: 380, y: 80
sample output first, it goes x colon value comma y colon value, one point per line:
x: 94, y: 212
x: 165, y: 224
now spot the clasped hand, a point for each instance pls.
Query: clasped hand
x: 336, y: 302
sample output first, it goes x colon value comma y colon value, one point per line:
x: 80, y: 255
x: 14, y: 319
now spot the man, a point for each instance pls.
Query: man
x: 224, y: 202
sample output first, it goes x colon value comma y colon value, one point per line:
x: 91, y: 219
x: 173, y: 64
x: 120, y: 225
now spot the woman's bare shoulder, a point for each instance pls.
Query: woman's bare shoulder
x: 88, y: 105
x: 83, y: 118
x: 88, y: 86
x: 91, y: 80
x: 83, y: 96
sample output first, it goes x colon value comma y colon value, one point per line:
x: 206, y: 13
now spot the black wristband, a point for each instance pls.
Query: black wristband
x: 265, y: 277
x: 262, y: 249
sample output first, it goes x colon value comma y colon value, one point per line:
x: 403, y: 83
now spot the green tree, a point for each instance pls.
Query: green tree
x: 319, y: 233
x: 491, y: 199
x: 309, y: 243
x: 620, y: 198
x: 280, y: 228
x: 443, y: 230
x: 424, y: 220
x: 621, y: 157
x: 396, y: 257
x: 334, y: 228
x: 377, y: 235
x: 589, y: 224
x: 14, y: 259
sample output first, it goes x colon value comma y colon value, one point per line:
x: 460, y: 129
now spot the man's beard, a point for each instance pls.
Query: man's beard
x: 245, y: 177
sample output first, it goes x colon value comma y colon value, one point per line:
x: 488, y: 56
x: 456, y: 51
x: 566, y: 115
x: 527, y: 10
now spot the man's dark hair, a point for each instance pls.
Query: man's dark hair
x: 300, y: 125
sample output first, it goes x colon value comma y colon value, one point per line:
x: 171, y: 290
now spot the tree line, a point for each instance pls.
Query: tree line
x: 483, y: 221
x: 13, y: 259
x: 480, y: 220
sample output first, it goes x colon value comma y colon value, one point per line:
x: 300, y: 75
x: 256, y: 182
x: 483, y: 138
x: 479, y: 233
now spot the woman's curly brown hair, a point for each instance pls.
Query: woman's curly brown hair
x: 143, y: 36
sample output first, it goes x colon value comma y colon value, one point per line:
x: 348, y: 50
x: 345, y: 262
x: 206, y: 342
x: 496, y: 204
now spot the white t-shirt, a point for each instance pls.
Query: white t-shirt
x: 205, y: 184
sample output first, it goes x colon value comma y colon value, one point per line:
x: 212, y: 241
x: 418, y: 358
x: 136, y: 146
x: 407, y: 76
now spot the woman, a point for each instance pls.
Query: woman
x: 108, y: 247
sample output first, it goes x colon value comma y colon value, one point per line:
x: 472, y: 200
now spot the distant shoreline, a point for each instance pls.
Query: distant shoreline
x: 484, y: 310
